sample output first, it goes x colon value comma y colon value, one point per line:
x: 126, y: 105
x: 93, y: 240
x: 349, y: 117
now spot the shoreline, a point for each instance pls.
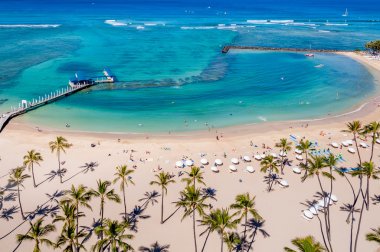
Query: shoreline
x: 367, y: 110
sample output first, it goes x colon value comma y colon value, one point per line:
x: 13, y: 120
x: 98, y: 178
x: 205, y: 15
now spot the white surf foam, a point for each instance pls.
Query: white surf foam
x: 262, y: 118
x: 40, y: 26
x: 114, y: 22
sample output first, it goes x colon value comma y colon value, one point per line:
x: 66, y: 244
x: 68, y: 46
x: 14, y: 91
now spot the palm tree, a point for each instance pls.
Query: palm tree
x: 224, y: 220
x: 375, y: 236
x: 104, y: 194
x: 305, y: 146
x: 210, y: 221
x: 155, y: 247
x: 195, y: 175
x: 38, y: 233
x: 163, y: 180
x: 114, y: 236
x: 253, y: 226
x: 60, y: 144
x: 231, y: 239
x: 79, y: 196
x: 306, y: 244
x: 32, y: 157
x: 18, y: 177
x: 330, y: 161
x: 192, y: 201
x: 285, y: 147
x: 68, y: 216
x: 69, y: 237
x: 355, y: 128
x: 123, y: 175
x: 245, y: 205
x: 372, y: 128
x: 269, y: 163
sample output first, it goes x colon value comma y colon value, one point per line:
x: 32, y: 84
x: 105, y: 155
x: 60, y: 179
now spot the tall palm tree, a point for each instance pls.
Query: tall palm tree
x: 38, y: 233
x: 18, y: 177
x: 285, y: 147
x: 155, y: 247
x: 224, y: 221
x: 163, y: 179
x: 210, y: 222
x: 32, y: 157
x: 306, y: 244
x: 79, y: 196
x: 355, y: 128
x: 123, y: 175
x: 59, y: 145
x: 269, y: 163
x: 195, y: 175
x: 69, y: 238
x: 104, y: 194
x: 255, y: 225
x: 305, y: 146
x: 374, y: 236
x: 114, y: 237
x: 192, y: 201
x: 68, y: 216
x: 330, y: 161
x: 245, y: 205
x: 373, y: 128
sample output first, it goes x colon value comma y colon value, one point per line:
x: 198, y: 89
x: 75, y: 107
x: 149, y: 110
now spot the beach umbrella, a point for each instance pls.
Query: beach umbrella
x: 333, y: 198
x: 263, y: 155
x: 258, y: 157
x: 250, y: 169
x: 363, y: 145
x: 350, y: 142
x: 335, y: 145
x: 314, y: 209
x: 282, y: 154
x: 284, y: 183
x: 273, y: 154
x: 297, y: 170
x: 247, y: 159
x: 345, y: 144
x: 299, y: 157
x: 298, y: 151
x: 234, y: 161
x: 378, y: 141
x: 204, y: 161
x: 308, y: 215
x: 189, y: 162
x: 233, y: 168
x: 351, y: 150
x: 179, y: 164
x: 214, y: 169
x: 218, y: 162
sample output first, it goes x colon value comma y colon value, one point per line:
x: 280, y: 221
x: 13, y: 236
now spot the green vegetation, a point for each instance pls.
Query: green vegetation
x: 373, y: 46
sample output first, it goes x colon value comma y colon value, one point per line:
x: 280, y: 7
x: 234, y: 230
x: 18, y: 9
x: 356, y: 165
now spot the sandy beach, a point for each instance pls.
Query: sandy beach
x: 281, y: 208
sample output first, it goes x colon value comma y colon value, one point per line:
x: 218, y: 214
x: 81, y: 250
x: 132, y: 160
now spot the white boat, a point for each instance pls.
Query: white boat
x: 345, y: 14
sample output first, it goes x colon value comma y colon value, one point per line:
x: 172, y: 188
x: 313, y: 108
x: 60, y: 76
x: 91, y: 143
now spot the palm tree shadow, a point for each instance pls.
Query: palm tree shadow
x: 134, y: 216
x: 84, y: 169
x: 375, y: 199
x: 150, y: 198
x: 7, y: 213
x: 90, y: 230
x: 43, y: 211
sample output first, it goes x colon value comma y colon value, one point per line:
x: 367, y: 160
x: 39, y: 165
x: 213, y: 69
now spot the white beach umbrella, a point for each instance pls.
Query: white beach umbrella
x: 299, y: 157
x: 204, y: 161
x: 299, y: 152
x: 218, y: 162
x: 297, y: 170
x: 351, y: 150
x: 364, y: 145
x: 247, y: 159
x: 234, y: 161
x: 350, y: 142
x: 378, y: 141
x: 335, y: 145
x: 179, y: 164
x: 258, y: 157
x: 273, y: 154
x: 284, y: 183
x: 308, y: 215
x: 333, y: 198
x: 282, y: 154
x: 314, y: 209
x: 345, y: 144
x: 250, y: 169
x: 189, y: 162
x: 232, y: 168
x: 263, y: 155
x: 214, y: 169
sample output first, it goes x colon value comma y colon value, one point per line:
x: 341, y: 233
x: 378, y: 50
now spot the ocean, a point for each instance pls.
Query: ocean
x: 167, y: 58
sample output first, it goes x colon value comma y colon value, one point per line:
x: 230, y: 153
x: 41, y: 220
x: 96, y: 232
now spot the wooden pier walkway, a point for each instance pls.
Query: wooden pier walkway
x: 227, y: 48
x: 27, y: 106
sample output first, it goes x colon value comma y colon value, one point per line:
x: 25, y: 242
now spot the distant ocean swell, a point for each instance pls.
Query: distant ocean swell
x: 36, y: 26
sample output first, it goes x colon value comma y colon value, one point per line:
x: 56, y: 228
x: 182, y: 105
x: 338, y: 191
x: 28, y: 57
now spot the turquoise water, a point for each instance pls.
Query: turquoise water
x: 172, y: 76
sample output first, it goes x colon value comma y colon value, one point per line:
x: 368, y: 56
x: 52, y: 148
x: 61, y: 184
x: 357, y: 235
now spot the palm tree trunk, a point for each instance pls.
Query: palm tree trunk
x: 221, y: 239
x: 195, y: 235
x: 101, y: 218
x: 373, y: 145
x: 357, y: 148
x: 245, y: 226
x: 77, y: 229
x: 125, y: 204
x: 204, y: 244
x: 323, y: 234
x: 59, y: 165
x: 359, y: 224
x: 325, y: 210
x: 34, y: 180
x: 328, y: 207
x: 19, y: 201
x: 162, y: 206
x: 367, y: 194
x: 282, y: 162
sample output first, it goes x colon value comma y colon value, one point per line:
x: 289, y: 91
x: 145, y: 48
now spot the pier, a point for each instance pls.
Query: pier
x: 227, y: 48
x: 26, y: 106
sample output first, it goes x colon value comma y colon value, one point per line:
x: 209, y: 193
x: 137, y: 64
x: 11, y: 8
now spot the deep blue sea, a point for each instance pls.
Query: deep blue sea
x: 167, y: 58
